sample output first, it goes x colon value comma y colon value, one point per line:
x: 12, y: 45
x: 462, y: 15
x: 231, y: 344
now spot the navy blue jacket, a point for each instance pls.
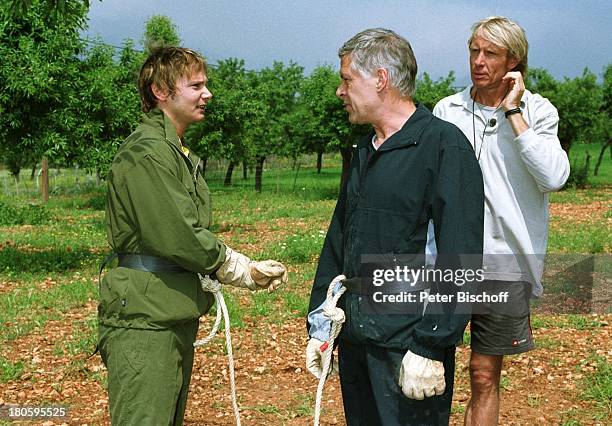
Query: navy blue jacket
x: 424, y: 174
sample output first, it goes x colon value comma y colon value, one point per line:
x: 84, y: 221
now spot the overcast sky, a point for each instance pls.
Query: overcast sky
x: 564, y: 35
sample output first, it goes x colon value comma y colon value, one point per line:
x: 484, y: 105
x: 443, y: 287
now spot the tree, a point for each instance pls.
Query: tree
x: 230, y: 112
x: 160, y: 31
x: 578, y: 101
x: 320, y: 114
x: 45, y: 48
x: 108, y: 105
x: 68, y: 10
x: 429, y: 92
x: 276, y: 91
x: 539, y: 80
x: 604, y: 117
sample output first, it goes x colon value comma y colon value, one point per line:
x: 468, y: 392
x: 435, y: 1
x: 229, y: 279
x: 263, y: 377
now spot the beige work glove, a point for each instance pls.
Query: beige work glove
x: 269, y: 274
x: 421, y: 377
x: 314, y: 356
x: 239, y: 271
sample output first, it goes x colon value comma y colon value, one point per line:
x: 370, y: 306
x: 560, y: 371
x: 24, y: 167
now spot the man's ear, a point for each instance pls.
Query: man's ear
x: 159, y: 93
x: 382, y: 78
x: 512, y: 63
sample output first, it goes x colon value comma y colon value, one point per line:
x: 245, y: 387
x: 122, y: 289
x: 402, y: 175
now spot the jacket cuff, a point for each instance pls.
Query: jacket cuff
x: 426, y: 351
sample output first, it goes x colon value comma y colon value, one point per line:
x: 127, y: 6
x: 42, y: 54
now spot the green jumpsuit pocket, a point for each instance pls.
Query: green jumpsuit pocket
x: 134, y: 351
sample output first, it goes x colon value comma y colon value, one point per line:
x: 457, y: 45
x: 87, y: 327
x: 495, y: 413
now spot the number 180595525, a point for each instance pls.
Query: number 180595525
x: 13, y: 412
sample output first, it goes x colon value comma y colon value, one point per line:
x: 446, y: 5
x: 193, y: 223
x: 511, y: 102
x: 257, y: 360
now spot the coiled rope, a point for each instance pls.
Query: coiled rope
x: 214, y: 287
x: 336, y: 315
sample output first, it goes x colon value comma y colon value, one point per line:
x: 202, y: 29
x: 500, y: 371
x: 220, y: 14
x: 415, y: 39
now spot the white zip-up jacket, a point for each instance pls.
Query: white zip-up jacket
x: 518, y: 173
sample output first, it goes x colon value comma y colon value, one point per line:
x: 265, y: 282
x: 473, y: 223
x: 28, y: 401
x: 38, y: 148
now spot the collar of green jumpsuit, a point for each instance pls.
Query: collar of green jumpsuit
x: 157, y: 119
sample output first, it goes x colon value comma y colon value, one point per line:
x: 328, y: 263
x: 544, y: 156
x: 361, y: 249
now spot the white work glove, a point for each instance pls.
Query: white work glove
x: 269, y: 274
x: 421, y: 377
x: 239, y: 271
x: 314, y: 357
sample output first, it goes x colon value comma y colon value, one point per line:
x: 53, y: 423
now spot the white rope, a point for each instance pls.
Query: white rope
x: 214, y: 287
x: 336, y: 315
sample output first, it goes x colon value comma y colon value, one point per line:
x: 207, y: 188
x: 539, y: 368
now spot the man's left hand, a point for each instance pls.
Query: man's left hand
x: 421, y: 377
x: 516, y: 88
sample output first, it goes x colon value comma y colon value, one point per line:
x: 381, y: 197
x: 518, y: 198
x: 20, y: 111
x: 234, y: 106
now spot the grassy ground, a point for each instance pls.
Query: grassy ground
x: 48, y: 289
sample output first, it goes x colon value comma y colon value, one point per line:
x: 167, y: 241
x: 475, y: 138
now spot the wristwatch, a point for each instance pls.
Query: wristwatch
x: 513, y: 111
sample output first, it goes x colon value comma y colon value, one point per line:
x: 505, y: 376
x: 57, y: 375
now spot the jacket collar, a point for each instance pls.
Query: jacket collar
x: 161, y: 123
x: 409, y: 134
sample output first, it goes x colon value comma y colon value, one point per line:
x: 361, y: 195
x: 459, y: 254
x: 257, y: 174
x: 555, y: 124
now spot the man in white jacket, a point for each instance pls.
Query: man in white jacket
x: 514, y: 135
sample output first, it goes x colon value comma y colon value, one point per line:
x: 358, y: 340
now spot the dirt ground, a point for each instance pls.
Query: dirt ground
x: 541, y: 387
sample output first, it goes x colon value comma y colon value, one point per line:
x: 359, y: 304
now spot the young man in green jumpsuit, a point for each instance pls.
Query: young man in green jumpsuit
x: 158, y: 213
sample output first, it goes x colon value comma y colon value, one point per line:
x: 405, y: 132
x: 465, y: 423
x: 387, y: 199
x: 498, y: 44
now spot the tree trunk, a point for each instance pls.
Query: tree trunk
x: 347, y: 155
x: 566, y: 145
x: 203, y: 162
x: 259, y: 173
x: 601, y: 154
x: 319, y: 161
x: 33, y: 173
x: 45, y: 180
x: 228, y: 174
x: 245, y: 170
x: 14, y: 168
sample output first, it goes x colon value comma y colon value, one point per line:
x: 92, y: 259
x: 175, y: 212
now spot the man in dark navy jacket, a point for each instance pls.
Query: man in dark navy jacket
x: 414, y: 188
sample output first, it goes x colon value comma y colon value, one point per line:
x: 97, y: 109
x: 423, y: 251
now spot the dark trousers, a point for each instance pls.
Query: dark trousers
x: 372, y: 396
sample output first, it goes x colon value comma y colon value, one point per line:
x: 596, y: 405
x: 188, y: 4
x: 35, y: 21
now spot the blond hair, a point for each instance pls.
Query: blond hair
x: 505, y: 33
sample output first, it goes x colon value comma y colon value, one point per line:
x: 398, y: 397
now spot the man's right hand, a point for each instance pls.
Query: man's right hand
x: 314, y: 356
x: 239, y: 271
x: 269, y: 274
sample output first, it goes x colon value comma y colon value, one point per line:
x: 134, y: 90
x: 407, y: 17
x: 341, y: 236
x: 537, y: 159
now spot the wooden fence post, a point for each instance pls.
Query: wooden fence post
x: 45, y: 180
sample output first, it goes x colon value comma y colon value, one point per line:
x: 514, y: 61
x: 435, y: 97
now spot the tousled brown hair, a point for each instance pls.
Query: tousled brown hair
x: 163, y: 68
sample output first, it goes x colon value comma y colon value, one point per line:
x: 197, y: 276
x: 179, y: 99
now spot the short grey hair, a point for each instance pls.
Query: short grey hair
x: 376, y: 48
x: 505, y: 33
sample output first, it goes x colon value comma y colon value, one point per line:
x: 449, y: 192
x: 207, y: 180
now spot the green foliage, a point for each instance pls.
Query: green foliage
x: 231, y: 111
x: 262, y: 303
x: 49, y: 260
x: 296, y: 303
x: 160, y: 31
x: 276, y: 90
x: 96, y: 202
x: 323, y: 123
x: 34, y: 117
x: 573, y: 321
x: 9, y: 370
x: 27, y: 214
x: 598, y: 387
x: 579, y: 174
x: 68, y: 10
x: 298, y: 248
x: 580, y: 238
x: 584, y: 115
x: 429, y: 92
x: 540, y: 81
x: 108, y: 108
